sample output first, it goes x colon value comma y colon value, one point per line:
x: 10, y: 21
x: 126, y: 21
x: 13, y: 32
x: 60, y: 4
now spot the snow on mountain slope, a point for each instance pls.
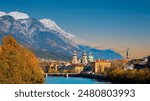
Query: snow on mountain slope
x: 29, y: 28
x: 15, y: 15
x: 52, y: 26
x: 48, y: 23
x: 18, y: 15
x: 2, y: 13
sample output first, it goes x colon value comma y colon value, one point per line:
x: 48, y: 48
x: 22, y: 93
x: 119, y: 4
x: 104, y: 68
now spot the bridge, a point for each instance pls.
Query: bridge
x: 60, y: 74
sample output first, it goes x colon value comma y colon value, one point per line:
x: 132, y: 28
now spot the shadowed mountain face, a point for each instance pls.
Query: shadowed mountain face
x: 46, y: 38
x: 101, y: 54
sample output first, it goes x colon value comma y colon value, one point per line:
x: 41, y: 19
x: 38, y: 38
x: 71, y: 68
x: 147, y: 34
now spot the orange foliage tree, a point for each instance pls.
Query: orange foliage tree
x: 17, y: 64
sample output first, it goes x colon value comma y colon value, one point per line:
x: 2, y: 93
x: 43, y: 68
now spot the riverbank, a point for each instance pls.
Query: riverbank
x: 135, y: 76
x: 98, y: 77
x: 104, y: 78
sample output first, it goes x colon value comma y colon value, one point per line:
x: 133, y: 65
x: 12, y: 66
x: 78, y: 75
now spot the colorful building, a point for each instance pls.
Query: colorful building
x: 78, y: 68
x: 99, y: 66
x: 75, y: 68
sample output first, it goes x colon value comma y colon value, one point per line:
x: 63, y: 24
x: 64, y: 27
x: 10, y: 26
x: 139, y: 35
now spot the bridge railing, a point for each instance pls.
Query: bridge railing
x: 64, y: 74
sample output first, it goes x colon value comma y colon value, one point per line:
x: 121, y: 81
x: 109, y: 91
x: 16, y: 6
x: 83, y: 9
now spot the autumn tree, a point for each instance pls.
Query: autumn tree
x: 17, y: 64
x: 129, y: 76
x: 118, y: 63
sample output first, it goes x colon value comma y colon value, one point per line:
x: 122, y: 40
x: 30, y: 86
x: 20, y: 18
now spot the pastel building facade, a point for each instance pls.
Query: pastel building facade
x: 99, y: 66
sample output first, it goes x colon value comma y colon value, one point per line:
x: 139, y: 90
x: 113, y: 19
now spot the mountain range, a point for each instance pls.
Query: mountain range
x: 45, y: 38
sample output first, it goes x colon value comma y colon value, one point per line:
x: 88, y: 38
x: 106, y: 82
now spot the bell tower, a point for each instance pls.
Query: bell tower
x: 84, y: 58
x: 127, y: 54
x: 74, y: 58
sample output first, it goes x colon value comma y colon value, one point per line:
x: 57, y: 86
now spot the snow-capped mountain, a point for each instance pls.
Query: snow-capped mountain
x: 44, y: 37
x: 18, y: 15
x: 52, y: 26
x: 15, y: 15
x: 2, y: 14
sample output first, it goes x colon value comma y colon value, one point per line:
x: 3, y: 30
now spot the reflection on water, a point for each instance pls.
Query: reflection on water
x: 71, y: 80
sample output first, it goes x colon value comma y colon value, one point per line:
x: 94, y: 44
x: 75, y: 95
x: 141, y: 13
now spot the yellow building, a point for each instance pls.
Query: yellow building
x: 78, y: 68
x: 100, y: 65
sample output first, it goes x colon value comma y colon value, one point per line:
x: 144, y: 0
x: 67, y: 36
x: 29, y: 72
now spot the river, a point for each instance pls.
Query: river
x: 71, y: 80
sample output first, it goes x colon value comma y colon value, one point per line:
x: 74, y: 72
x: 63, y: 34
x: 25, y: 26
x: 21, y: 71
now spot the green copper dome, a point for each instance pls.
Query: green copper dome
x: 91, y: 57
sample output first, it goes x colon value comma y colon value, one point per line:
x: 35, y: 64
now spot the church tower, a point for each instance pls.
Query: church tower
x: 74, y: 58
x: 84, y: 58
x: 127, y: 54
x: 91, y: 58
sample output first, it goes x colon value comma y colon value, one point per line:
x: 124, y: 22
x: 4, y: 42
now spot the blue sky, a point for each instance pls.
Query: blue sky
x: 115, y: 24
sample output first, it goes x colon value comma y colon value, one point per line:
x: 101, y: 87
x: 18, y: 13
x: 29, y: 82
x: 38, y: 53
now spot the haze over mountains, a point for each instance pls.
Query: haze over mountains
x: 46, y: 38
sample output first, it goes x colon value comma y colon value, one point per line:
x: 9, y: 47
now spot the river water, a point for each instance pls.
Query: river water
x: 71, y: 80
